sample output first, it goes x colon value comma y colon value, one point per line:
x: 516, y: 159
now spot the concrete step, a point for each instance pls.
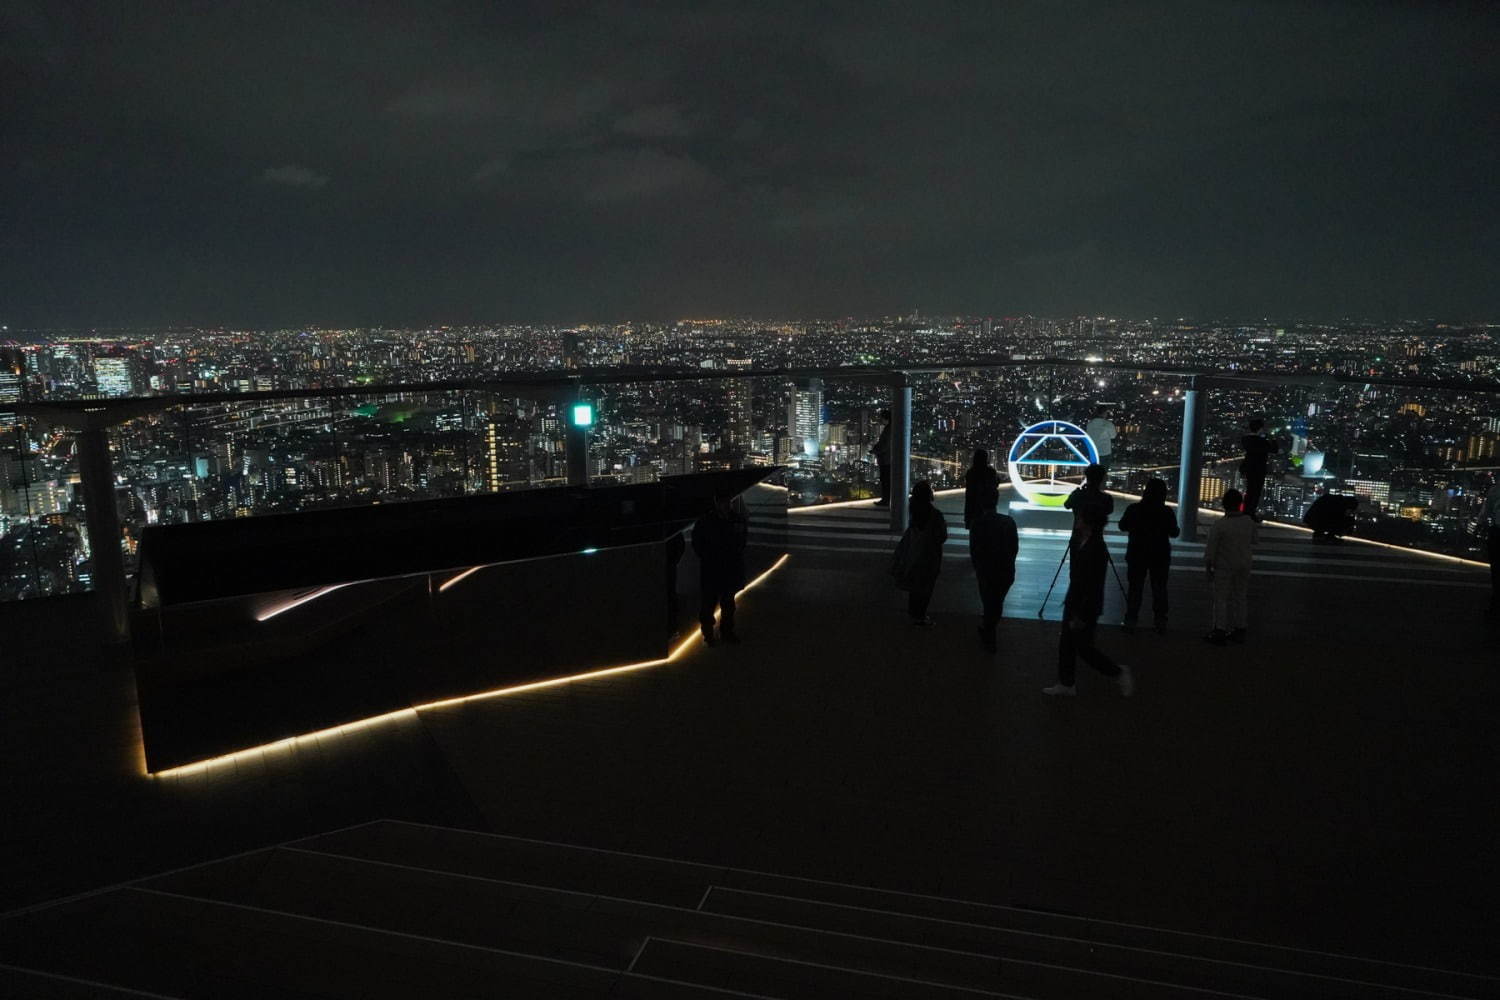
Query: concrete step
x: 139, y: 939
x: 31, y: 984
x: 601, y: 930
x: 684, y: 883
x: 791, y: 980
x: 1153, y: 964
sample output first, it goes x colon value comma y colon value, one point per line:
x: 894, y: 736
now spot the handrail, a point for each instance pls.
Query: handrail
x: 105, y: 412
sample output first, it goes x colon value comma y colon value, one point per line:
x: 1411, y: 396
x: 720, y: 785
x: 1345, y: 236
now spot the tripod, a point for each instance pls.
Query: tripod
x: 1067, y: 550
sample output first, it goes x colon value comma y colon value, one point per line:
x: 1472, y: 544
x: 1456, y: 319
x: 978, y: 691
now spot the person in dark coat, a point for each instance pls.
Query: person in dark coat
x: 1151, y: 525
x: 1088, y: 562
x: 979, y: 482
x: 1258, y: 450
x: 719, y: 538
x: 919, y: 556
x: 1331, y: 517
x: 881, y: 449
x: 993, y: 545
x: 1090, y: 504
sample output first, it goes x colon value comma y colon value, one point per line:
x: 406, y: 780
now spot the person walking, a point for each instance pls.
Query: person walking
x: 1151, y: 525
x: 881, y: 449
x: 979, y: 482
x: 1492, y: 520
x: 1088, y: 562
x: 1227, y: 558
x: 919, y: 556
x: 993, y: 544
x: 1101, y: 430
x: 719, y: 539
x: 1258, y: 450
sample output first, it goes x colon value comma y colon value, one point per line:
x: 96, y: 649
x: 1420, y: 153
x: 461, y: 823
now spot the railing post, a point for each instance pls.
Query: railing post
x: 97, y: 479
x: 576, y: 444
x: 1190, y: 469
x: 900, y: 449
x: 576, y: 433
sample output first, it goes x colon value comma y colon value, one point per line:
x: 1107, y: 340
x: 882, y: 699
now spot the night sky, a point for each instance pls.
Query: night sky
x: 261, y: 164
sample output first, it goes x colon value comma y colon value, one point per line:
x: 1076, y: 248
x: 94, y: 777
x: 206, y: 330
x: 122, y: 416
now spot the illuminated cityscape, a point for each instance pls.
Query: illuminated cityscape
x: 1420, y: 460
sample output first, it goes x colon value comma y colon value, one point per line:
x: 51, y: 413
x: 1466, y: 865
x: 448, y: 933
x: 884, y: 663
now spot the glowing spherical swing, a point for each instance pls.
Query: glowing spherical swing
x: 1040, y: 452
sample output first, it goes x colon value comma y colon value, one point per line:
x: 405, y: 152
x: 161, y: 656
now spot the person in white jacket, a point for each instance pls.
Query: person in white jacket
x: 1227, y: 558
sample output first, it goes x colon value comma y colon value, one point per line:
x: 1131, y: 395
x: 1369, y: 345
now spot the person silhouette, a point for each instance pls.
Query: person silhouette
x: 1088, y: 560
x: 993, y: 545
x: 919, y: 556
x: 1227, y: 558
x: 719, y: 539
x: 979, y: 482
x: 1102, y: 431
x: 1258, y: 450
x: 1089, y: 503
x: 1151, y: 525
x: 881, y: 449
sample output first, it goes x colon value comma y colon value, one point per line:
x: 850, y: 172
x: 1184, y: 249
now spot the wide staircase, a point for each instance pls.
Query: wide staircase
x: 394, y: 909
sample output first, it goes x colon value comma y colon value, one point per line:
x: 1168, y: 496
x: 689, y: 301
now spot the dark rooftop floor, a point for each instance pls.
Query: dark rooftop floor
x: 1328, y: 785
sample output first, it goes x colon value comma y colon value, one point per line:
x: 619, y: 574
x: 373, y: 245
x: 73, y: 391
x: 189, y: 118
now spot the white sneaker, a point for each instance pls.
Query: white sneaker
x: 1066, y: 690
x: 1126, y: 680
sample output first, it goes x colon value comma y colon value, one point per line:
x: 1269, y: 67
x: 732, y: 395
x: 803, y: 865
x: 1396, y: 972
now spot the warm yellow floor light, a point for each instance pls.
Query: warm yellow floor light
x: 403, y: 713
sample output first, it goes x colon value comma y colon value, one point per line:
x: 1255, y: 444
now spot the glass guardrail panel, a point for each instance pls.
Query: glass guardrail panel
x: 39, y: 524
x: 1418, y: 461
x: 1416, y: 464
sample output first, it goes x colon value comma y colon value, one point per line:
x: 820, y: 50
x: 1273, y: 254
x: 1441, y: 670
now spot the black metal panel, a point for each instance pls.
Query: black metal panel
x: 212, y: 560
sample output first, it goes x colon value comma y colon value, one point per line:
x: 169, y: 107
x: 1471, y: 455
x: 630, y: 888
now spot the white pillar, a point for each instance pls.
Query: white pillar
x: 1190, y: 469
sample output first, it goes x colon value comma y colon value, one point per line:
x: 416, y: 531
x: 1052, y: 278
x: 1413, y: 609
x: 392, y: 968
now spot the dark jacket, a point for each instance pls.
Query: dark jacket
x: 993, y: 546
x: 881, y: 449
x: 919, y: 556
x: 1087, y: 564
x: 720, y: 545
x: 1090, y: 505
x: 1258, y: 450
x: 1151, y: 527
x: 1332, y: 513
x: 978, y: 482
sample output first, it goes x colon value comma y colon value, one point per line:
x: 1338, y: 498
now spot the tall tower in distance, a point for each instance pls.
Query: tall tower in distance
x: 737, y: 396
x: 804, y: 418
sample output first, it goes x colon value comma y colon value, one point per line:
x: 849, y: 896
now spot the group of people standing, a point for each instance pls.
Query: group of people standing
x: 1149, y: 524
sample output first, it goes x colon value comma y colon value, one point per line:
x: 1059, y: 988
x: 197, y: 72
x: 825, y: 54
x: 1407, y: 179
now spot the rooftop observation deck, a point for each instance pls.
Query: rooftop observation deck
x: 1329, y: 785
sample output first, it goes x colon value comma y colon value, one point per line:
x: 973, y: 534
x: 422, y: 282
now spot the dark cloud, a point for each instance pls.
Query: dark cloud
x: 654, y: 121
x: 572, y: 160
x: 293, y: 176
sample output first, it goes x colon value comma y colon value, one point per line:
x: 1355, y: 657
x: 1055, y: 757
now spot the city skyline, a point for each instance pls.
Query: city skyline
x: 389, y: 165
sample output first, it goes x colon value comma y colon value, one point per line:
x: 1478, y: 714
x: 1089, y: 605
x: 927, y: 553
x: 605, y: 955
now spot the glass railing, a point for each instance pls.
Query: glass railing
x: 1418, y: 460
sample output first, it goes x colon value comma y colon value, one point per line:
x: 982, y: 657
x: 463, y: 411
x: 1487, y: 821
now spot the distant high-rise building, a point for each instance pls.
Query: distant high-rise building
x: 737, y: 397
x: 10, y: 394
x: 804, y: 417
x: 115, y: 375
x: 506, y: 457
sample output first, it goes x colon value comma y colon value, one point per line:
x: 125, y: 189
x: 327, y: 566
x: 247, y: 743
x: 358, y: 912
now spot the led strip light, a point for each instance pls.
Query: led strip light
x: 402, y: 713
